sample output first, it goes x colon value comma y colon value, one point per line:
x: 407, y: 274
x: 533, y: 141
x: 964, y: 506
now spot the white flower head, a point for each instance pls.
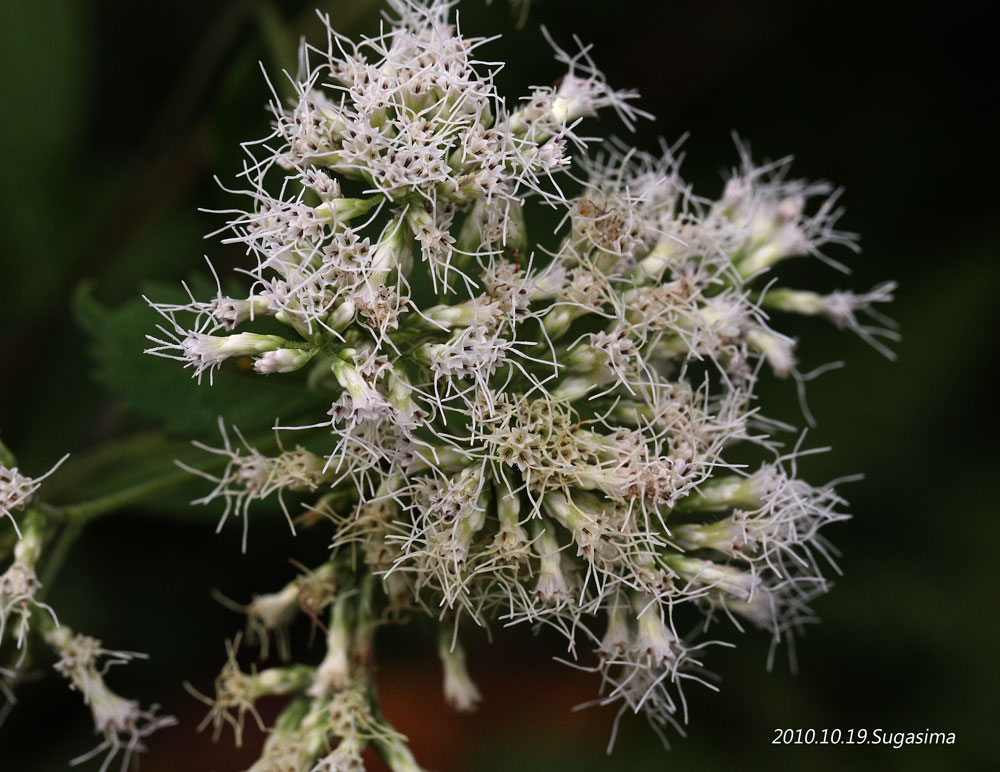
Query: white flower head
x: 18, y: 585
x: 844, y: 309
x: 16, y: 490
x: 124, y: 723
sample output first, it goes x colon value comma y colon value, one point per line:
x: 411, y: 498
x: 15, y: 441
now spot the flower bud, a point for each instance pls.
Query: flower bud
x: 340, y: 210
x: 283, y: 360
x: 777, y: 349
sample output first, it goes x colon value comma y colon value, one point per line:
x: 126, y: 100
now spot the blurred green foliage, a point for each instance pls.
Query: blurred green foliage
x: 117, y: 115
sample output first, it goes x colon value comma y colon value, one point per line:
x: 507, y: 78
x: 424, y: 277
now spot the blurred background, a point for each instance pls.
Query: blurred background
x: 115, y: 118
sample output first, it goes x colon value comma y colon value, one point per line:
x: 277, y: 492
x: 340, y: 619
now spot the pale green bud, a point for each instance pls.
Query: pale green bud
x: 723, y: 494
x: 339, y: 210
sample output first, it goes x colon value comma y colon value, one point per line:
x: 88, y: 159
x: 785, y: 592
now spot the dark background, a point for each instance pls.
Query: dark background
x: 116, y: 115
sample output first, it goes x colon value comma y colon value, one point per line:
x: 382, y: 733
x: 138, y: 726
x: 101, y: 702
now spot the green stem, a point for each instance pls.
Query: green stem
x: 87, y: 510
x: 6, y: 456
x: 279, y: 40
x: 57, y: 556
x: 75, y: 516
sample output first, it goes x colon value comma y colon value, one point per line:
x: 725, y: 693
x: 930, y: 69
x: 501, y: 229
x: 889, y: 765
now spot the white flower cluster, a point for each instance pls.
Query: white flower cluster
x: 520, y: 433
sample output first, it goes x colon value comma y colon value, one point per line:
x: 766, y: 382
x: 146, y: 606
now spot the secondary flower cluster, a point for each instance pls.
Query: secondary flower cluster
x: 516, y: 432
x: 123, y: 724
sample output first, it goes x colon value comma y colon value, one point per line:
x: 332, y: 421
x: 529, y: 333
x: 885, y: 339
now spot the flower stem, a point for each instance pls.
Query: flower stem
x: 78, y: 514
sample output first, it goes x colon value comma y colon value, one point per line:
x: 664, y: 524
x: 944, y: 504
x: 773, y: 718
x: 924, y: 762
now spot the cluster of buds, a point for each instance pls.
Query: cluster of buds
x: 519, y: 432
